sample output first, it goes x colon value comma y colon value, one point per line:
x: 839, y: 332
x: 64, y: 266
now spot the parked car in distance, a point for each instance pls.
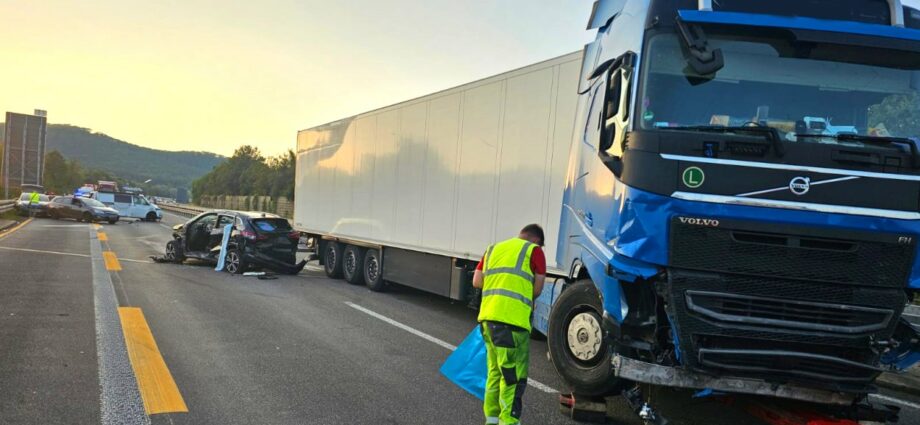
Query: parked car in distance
x: 81, y: 209
x: 131, y: 205
x: 256, y: 239
x: 22, y: 204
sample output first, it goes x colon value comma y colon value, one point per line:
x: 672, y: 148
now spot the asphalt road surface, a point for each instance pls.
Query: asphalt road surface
x: 296, y: 350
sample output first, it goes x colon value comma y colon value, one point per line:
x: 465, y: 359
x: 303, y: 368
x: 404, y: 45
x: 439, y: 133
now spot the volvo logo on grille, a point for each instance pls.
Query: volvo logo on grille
x: 709, y: 222
x: 800, y: 185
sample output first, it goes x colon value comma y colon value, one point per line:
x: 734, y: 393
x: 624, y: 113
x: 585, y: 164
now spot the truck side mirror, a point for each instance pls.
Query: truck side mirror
x: 703, y: 59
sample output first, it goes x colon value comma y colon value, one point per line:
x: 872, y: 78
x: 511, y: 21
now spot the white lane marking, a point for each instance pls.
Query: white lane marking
x: 38, y: 251
x: 119, y: 399
x: 896, y: 401
x: 136, y: 261
x: 530, y: 382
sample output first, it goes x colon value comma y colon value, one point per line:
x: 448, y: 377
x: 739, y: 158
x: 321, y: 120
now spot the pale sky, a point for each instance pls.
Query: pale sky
x: 212, y: 75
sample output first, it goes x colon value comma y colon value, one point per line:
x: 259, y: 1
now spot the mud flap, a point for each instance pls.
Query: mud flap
x: 907, y: 351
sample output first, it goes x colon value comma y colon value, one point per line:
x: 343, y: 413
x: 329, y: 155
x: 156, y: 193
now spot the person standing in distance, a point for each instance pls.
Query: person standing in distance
x: 511, y: 276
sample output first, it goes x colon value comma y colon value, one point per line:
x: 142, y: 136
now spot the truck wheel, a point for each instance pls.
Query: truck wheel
x: 373, y: 271
x: 332, y: 259
x: 151, y: 216
x: 173, y: 252
x: 576, y: 341
x: 353, y: 264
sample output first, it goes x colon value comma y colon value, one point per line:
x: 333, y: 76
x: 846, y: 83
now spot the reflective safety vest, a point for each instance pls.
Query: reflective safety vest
x: 507, y: 290
x: 34, y: 198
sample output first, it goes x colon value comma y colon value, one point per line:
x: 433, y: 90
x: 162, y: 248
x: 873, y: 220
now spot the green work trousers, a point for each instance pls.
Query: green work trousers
x: 508, y: 354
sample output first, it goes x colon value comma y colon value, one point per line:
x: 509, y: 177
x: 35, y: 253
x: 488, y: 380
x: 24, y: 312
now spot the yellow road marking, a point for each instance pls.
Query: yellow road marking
x: 15, y: 228
x: 156, y: 384
x: 103, y: 237
x: 111, y: 261
x: 97, y: 226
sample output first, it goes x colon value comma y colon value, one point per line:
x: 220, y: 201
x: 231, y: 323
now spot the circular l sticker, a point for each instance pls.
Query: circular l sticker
x: 693, y: 177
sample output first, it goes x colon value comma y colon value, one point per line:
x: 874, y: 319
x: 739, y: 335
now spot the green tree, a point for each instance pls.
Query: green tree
x: 249, y: 173
x: 899, y: 114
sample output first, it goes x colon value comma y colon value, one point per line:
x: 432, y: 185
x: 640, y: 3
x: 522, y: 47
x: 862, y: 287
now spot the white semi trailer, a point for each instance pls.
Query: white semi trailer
x: 413, y: 193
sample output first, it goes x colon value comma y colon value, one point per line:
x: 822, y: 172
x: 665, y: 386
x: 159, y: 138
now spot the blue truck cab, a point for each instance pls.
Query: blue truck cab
x: 742, y: 206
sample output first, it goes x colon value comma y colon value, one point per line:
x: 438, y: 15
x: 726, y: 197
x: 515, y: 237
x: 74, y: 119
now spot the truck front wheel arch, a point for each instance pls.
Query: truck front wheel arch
x: 576, y: 342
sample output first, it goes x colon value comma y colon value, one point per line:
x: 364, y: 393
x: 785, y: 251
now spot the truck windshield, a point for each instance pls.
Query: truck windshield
x: 808, y: 93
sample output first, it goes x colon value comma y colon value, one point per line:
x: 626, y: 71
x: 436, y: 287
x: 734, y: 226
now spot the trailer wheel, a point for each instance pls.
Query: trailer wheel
x: 332, y: 259
x: 353, y: 265
x: 576, y: 341
x: 373, y: 271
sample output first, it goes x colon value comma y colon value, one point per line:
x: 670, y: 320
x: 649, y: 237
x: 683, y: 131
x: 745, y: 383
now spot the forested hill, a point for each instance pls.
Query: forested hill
x: 128, y: 161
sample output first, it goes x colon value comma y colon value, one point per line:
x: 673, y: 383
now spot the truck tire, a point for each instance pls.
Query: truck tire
x: 373, y: 271
x: 353, y: 265
x: 332, y: 259
x: 576, y: 341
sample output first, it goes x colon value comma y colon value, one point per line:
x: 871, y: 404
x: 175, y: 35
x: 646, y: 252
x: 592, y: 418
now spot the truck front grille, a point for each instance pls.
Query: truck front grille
x: 781, y: 313
x: 826, y: 255
x: 781, y: 328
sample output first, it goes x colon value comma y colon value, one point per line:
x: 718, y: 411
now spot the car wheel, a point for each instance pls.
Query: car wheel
x: 353, y: 264
x: 332, y: 259
x: 174, y: 252
x: 151, y: 216
x: 576, y: 341
x: 373, y: 271
x: 112, y: 221
x: 234, y: 263
x: 87, y: 217
x: 53, y: 214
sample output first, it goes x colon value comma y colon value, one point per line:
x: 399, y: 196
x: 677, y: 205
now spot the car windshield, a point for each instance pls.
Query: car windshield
x: 92, y: 203
x: 796, y: 89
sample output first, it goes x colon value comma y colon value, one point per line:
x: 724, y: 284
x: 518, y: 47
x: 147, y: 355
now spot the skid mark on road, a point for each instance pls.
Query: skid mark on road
x: 530, y: 382
x: 158, y: 389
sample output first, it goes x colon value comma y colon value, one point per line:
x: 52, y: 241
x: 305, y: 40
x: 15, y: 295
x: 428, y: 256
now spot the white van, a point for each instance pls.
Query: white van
x: 130, y: 205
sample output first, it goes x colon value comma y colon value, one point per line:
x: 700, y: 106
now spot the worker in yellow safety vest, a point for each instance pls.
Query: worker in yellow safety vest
x: 511, y: 276
x: 34, y: 200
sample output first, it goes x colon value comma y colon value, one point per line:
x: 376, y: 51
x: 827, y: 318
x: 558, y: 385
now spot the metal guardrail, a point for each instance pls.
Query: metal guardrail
x: 6, y: 205
x: 182, y: 209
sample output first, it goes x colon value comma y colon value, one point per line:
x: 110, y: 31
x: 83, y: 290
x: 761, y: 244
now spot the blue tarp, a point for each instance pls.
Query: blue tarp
x: 223, y: 247
x: 466, y: 366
